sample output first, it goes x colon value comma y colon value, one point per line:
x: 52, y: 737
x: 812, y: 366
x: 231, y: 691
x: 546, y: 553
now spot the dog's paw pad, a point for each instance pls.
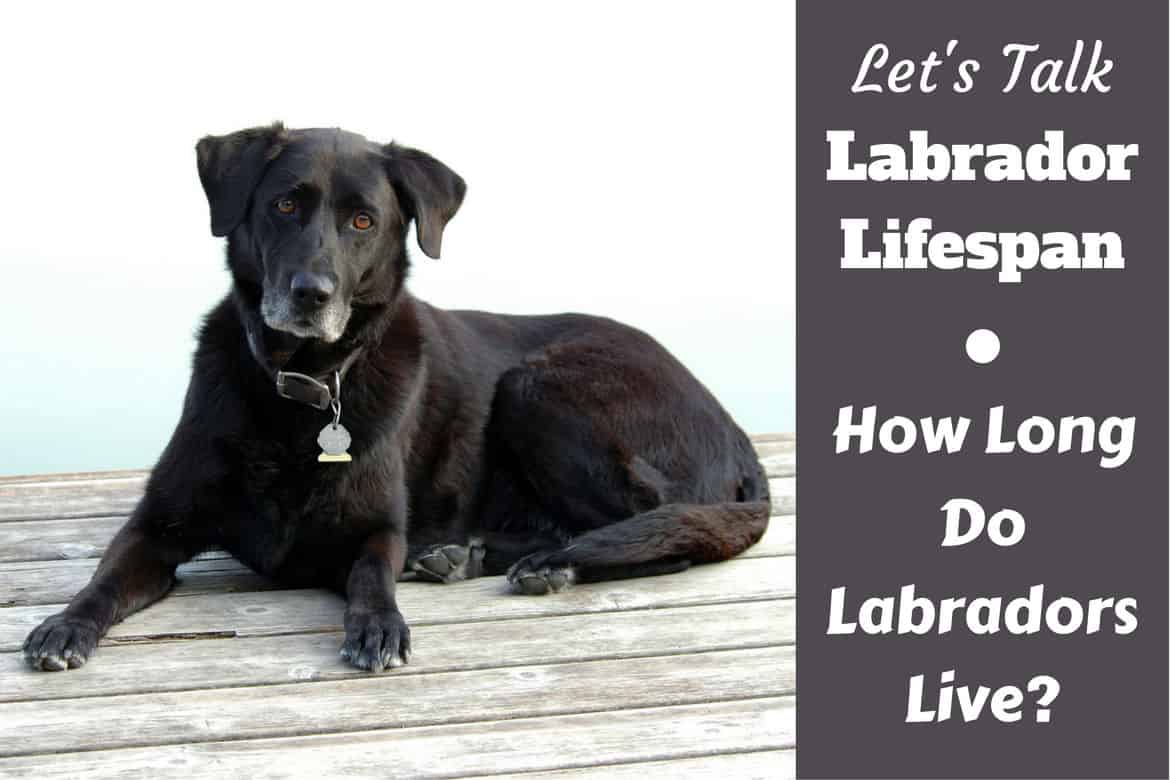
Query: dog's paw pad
x: 449, y: 562
x: 531, y: 578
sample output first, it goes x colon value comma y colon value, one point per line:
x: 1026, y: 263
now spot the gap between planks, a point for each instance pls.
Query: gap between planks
x: 312, y: 657
x: 295, y: 611
x: 388, y: 701
x: 590, y: 765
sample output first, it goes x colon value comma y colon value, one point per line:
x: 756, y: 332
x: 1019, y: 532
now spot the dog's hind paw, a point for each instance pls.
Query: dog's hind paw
x: 449, y: 562
x: 540, y: 573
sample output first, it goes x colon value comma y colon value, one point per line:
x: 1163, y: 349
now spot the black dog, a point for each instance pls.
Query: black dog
x: 556, y: 449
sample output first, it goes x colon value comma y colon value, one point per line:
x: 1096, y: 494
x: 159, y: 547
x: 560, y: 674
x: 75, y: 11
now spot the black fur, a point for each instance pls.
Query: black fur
x: 556, y: 448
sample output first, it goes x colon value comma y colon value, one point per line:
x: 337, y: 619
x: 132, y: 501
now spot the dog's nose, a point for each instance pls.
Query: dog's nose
x: 311, y: 290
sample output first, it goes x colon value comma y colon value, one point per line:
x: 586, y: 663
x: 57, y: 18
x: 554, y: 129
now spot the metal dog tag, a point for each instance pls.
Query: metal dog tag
x: 334, y: 440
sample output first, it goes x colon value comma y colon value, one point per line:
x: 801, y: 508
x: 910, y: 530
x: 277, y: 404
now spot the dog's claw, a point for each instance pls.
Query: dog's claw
x: 376, y: 639
x: 60, y: 643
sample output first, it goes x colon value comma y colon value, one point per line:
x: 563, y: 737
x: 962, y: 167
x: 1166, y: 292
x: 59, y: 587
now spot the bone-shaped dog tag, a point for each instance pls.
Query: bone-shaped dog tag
x: 334, y: 440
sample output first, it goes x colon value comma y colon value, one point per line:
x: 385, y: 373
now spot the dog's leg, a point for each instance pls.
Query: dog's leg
x: 137, y: 569
x: 376, y: 634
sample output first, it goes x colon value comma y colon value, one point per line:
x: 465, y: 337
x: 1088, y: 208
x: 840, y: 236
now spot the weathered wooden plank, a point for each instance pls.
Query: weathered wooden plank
x: 523, y: 745
x: 783, y: 491
x: 778, y: 456
x: 221, y: 663
x: 779, y: 539
x: 780, y: 436
x: 781, y: 464
x: 758, y: 765
x: 70, y: 498
x: 395, y: 701
x: 78, y: 539
x: 52, y: 582
x: 49, y: 582
x: 296, y: 611
x: 57, y: 496
x: 51, y: 540
x: 87, y: 537
x: 71, y: 476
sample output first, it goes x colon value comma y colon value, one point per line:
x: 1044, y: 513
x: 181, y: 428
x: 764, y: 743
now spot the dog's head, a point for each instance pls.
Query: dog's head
x: 317, y: 219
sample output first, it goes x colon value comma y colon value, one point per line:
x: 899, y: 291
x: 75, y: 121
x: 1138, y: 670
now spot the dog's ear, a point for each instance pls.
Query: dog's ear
x: 230, y: 167
x: 429, y: 191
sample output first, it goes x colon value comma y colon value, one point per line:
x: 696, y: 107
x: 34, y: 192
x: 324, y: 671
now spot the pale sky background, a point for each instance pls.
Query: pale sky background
x: 634, y: 160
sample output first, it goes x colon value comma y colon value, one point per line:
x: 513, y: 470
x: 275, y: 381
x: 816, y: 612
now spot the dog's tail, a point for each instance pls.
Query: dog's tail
x: 667, y: 539
x: 671, y: 537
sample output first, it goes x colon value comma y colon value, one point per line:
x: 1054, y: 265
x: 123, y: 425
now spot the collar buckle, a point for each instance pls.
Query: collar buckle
x: 303, y: 388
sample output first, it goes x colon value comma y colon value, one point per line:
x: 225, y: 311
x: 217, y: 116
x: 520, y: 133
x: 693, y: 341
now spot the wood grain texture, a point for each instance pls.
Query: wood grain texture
x: 396, y: 701
x: 222, y: 663
x: 58, y: 498
x: 783, y: 495
x: 297, y: 611
x: 522, y: 745
x: 54, y: 540
x: 686, y: 675
x: 53, y: 582
x: 779, y: 539
x: 78, y: 476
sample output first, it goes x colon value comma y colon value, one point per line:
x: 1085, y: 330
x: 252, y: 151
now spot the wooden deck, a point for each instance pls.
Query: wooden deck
x: 686, y: 675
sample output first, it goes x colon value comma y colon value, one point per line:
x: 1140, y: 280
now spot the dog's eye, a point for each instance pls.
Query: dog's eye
x: 362, y: 221
x: 286, y: 205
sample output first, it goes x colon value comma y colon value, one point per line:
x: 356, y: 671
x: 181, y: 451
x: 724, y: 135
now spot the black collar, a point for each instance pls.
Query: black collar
x: 318, y: 389
x: 307, y: 389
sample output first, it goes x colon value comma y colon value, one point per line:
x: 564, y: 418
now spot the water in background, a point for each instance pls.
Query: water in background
x: 95, y: 368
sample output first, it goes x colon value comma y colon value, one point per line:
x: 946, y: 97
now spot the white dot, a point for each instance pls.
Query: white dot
x: 983, y: 345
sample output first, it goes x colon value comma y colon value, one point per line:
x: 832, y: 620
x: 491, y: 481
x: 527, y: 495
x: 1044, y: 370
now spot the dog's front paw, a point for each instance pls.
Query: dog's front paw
x: 449, y: 562
x: 376, y: 639
x: 541, y: 573
x: 61, y: 642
